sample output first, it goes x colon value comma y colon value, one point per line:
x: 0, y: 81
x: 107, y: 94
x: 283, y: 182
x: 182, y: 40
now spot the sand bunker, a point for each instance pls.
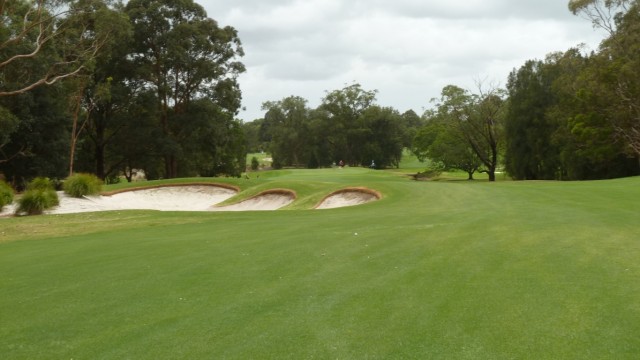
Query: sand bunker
x: 165, y: 198
x: 268, y: 200
x: 197, y: 197
x: 348, y: 197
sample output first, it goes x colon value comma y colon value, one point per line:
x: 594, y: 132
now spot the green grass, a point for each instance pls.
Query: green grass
x: 438, y: 269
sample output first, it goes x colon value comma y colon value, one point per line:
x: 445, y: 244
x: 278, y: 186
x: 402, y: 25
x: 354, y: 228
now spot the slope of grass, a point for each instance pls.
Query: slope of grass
x: 442, y: 270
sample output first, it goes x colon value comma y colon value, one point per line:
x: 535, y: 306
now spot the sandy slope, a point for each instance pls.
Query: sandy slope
x: 194, y: 198
x: 272, y: 201
x: 347, y: 197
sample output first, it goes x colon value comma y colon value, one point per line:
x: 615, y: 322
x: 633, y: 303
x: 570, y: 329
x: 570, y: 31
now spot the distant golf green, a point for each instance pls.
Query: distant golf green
x: 446, y: 269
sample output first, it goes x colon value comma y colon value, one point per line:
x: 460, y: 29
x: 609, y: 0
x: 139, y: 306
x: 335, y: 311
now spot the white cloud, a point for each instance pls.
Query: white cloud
x: 406, y: 49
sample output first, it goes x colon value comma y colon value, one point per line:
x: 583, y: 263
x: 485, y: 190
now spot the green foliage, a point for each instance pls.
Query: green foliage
x: 6, y: 194
x: 347, y: 126
x: 167, y: 36
x: 381, y: 137
x: 8, y: 124
x: 35, y: 202
x: 80, y: 185
x: 339, y: 129
x: 465, y: 131
x: 288, y: 121
x: 436, y: 143
x: 531, y: 153
x: 39, y: 196
x: 41, y: 183
x: 255, y: 164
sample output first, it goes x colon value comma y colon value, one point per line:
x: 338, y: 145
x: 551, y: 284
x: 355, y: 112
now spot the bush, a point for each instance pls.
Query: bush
x: 6, y: 194
x: 254, y: 163
x: 40, y: 196
x: 276, y: 164
x: 41, y: 183
x: 80, y: 185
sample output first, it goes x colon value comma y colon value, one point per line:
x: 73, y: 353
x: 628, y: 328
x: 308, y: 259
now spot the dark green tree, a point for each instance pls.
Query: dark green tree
x: 412, y: 123
x: 251, y: 131
x: 339, y: 114
x: 530, y: 151
x: 436, y: 142
x: 380, y: 137
x: 39, y: 144
x: 288, y: 126
x: 588, y: 145
x: 45, y: 41
x: 475, y: 120
x: 184, y: 56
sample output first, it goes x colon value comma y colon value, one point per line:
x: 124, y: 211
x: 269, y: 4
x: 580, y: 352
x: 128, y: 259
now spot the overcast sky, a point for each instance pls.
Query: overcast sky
x: 408, y: 50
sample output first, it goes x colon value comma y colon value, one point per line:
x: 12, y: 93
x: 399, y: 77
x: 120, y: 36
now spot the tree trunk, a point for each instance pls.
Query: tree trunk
x: 99, y: 154
x: 170, y: 167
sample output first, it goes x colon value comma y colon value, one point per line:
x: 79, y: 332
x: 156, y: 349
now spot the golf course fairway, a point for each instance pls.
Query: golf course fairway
x: 445, y: 269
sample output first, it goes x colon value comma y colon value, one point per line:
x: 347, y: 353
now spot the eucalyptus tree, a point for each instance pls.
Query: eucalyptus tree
x: 339, y: 113
x: 45, y: 41
x: 184, y: 56
x: 214, y: 147
x: 613, y: 71
x: 603, y: 14
x: 39, y: 141
x: 379, y: 137
x: 412, y: 122
x: 436, y: 142
x: 476, y: 121
x: 251, y: 132
x: 530, y: 152
x: 620, y: 76
x: 91, y: 94
x: 287, y: 121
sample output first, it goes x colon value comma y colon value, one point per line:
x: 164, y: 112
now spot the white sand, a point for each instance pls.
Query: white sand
x: 169, y: 198
x: 346, y: 198
x: 193, y: 198
x: 270, y: 201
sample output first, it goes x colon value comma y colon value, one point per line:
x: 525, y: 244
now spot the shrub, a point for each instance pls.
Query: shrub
x: 40, y: 196
x: 41, y: 183
x: 254, y: 163
x: 6, y: 194
x: 276, y: 164
x: 80, y: 185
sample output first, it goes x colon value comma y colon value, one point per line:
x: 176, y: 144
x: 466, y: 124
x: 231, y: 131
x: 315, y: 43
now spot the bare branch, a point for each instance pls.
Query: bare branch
x: 43, y: 81
x: 44, y: 27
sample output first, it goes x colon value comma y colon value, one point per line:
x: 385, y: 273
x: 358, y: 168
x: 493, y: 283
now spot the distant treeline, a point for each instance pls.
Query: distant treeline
x: 107, y: 88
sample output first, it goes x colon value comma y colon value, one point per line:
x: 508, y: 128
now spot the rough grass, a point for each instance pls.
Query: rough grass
x: 39, y: 196
x: 6, y: 194
x: 79, y: 185
x: 440, y: 270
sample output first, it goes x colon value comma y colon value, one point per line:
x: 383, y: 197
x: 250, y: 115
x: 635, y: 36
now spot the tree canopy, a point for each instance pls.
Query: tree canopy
x: 114, y: 87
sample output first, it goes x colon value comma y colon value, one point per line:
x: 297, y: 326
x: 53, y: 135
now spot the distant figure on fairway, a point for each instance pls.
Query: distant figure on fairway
x: 341, y: 163
x: 373, y: 164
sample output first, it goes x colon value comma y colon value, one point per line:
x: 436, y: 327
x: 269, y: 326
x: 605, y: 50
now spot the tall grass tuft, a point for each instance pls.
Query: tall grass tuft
x: 40, y: 196
x: 80, y: 185
x: 41, y: 183
x: 6, y: 194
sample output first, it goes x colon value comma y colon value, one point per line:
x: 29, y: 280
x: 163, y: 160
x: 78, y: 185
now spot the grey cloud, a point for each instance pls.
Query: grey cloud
x: 407, y: 49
